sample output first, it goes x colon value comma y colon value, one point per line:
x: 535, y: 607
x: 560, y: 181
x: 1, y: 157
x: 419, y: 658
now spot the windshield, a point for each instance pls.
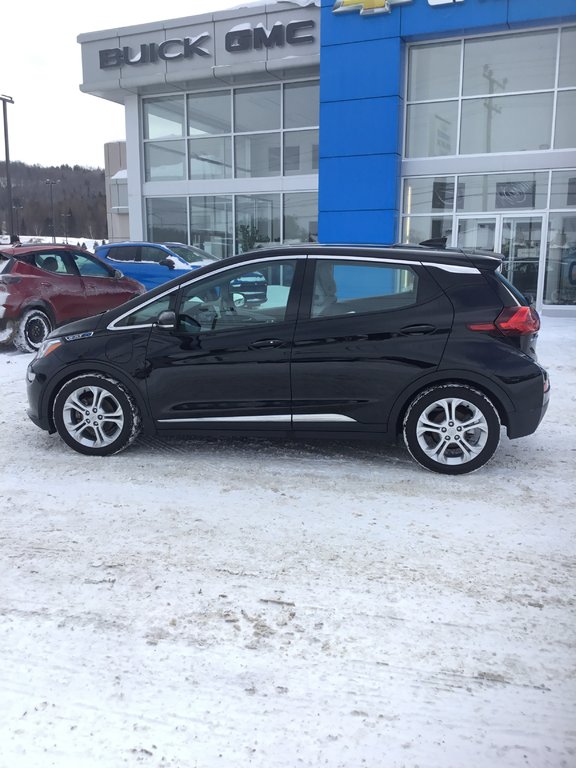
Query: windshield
x: 190, y: 253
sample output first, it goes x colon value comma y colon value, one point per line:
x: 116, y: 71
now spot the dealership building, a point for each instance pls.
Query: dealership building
x: 351, y: 122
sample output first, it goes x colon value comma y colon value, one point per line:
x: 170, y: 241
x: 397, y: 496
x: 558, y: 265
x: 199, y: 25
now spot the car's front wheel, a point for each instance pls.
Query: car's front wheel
x: 96, y: 415
x: 452, y: 429
x: 32, y: 329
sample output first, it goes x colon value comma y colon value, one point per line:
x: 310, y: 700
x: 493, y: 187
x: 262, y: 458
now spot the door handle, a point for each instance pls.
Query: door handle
x: 417, y: 330
x: 266, y: 344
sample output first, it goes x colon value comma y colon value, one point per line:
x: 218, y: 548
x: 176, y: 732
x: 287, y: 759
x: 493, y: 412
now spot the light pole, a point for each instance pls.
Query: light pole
x: 17, y: 208
x: 52, y: 183
x: 65, y: 217
x: 8, y: 100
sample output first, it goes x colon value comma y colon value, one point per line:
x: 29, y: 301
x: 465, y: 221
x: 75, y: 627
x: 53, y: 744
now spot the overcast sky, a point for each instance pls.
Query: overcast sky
x: 51, y: 122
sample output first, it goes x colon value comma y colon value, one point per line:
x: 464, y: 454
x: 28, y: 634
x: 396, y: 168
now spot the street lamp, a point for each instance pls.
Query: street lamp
x: 52, y: 183
x: 17, y: 208
x: 8, y: 100
x: 65, y: 217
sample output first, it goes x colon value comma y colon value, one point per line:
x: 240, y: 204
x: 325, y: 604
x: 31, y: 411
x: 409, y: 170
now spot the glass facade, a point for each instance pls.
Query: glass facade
x: 528, y: 217
x: 500, y: 94
x: 261, y: 134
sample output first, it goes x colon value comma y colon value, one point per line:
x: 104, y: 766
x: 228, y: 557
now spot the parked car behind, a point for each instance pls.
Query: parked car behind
x: 43, y: 286
x: 153, y: 264
x: 351, y: 342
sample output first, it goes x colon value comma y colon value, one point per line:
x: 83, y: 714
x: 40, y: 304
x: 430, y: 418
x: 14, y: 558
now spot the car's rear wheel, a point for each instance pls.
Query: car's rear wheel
x: 96, y: 415
x: 32, y: 329
x: 452, y: 429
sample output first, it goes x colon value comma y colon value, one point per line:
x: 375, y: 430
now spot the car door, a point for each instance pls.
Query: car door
x: 102, y: 289
x: 157, y: 266
x: 226, y: 363
x: 126, y: 258
x: 59, y: 284
x: 367, y: 330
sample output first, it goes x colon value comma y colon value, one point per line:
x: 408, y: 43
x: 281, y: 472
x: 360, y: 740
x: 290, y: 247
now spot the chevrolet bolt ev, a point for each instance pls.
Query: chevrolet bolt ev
x: 431, y: 345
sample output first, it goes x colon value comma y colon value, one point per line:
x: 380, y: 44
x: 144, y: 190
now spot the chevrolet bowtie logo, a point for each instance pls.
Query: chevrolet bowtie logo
x: 367, y: 6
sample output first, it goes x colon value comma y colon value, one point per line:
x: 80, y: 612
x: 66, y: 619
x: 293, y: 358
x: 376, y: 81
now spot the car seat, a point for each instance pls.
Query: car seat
x: 50, y: 264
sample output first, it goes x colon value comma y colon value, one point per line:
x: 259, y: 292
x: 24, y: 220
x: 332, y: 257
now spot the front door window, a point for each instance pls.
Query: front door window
x: 237, y: 298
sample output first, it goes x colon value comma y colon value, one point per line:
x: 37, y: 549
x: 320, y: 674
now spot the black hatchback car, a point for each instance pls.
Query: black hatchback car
x: 352, y: 341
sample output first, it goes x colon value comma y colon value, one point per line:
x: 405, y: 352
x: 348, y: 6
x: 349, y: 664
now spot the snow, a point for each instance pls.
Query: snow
x: 90, y: 242
x: 200, y: 603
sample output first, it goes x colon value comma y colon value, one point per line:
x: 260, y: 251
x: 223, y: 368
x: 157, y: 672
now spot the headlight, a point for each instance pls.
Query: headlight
x: 48, y: 346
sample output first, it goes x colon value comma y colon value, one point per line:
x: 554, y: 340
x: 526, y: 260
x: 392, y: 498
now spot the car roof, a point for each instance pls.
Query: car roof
x: 133, y: 242
x: 20, y: 250
x: 452, y: 256
x: 442, y: 256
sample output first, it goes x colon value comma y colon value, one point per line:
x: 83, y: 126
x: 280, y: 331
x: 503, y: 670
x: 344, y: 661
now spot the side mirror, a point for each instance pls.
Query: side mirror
x: 167, y: 263
x: 118, y: 275
x: 166, y: 319
x: 238, y: 299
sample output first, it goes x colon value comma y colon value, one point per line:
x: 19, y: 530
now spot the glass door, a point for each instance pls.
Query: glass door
x: 517, y: 238
x: 521, y: 245
x: 477, y: 232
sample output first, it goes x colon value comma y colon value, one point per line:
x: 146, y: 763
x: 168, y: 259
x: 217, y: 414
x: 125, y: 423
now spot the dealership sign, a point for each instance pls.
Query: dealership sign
x: 379, y: 6
x: 242, y: 38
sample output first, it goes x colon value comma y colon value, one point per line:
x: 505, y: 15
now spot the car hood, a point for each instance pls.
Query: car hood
x: 85, y: 325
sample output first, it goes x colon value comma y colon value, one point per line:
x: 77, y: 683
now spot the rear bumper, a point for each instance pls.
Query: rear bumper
x: 525, y: 422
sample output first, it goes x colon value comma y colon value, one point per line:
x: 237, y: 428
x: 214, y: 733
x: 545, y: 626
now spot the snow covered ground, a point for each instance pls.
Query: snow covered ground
x: 191, y: 604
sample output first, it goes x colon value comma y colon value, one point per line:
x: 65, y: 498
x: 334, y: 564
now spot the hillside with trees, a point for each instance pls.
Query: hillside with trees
x: 75, y: 204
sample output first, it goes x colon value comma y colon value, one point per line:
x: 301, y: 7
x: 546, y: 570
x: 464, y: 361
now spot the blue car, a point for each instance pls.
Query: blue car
x: 153, y: 263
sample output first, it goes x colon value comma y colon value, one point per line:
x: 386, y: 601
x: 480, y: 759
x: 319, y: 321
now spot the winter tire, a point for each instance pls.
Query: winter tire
x: 33, y: 327
x: 96, y: 415
x: 452, y: 429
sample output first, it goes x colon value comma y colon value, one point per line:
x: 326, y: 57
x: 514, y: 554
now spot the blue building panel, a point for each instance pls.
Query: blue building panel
x: 358, y: 183
x: 364, y: 127
x: 352, y: 27
x: 530, y: 12
x: 418, y: 19
x: 368, y: 227
x: 360, y: 70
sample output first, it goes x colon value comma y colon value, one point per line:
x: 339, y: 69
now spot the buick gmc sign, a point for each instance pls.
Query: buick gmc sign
x: 238, y: 39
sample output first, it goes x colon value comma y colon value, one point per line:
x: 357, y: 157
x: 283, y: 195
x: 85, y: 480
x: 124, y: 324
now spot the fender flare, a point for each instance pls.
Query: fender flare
x: 497, y: 395
x: 43, y: 306
x: 87, y: 367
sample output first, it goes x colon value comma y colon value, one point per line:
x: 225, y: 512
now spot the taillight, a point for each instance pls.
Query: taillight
x: 512, y: 321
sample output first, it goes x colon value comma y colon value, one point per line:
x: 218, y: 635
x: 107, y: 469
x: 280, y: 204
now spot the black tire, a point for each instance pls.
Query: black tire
x: 32, y: 329
x: 452, y: 429
x: 96, y: 415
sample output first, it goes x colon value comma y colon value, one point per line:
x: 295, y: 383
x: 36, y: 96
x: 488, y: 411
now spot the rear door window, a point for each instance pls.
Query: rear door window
x: 356, y: 287
x: 124, y: 253
x: 55, y: 262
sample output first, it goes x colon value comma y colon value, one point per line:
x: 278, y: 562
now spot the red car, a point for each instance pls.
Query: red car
x: 43, y: 286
